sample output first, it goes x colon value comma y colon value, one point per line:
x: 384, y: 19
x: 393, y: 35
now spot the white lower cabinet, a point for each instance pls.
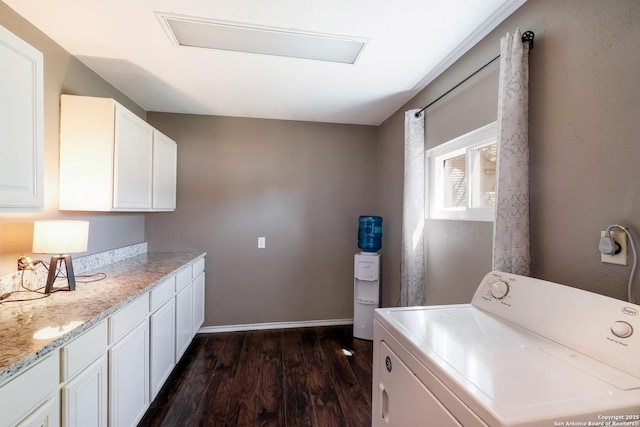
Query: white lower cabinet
x: 27, y: 398
x: 129, y: 377
x: 162, y: 354
x: 83, y: 375
x: 184, y: 316
x: 84, y: 398
x: 107, y: 375
x: 129, y: 363
x: 198, y: 303
x: 46, y: 415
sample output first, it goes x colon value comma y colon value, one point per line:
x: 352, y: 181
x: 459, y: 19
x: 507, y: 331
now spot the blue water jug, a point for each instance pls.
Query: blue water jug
x: 370, y: 233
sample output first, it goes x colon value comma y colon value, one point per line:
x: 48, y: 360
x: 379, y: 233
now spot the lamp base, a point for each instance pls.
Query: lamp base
x: 53, y: 268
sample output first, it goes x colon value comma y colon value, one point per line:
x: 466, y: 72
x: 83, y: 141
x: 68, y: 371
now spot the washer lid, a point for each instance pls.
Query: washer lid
x: 507, y: 369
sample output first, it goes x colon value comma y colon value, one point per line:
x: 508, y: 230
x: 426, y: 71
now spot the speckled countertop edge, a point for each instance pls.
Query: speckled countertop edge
x: 88, y: 304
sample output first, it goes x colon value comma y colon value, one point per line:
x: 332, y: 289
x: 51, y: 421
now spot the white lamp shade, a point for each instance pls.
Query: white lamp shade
x: 60, y: 237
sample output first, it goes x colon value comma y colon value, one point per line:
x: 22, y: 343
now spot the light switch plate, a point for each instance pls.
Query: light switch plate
x: 262, y: 242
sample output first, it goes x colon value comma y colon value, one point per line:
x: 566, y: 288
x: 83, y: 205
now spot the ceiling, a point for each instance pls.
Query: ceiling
x: 408, y: 44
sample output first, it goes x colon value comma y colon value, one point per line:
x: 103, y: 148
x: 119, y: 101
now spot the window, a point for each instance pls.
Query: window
x: 461, y: 178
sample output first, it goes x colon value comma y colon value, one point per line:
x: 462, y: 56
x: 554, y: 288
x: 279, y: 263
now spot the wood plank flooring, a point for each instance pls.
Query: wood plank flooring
x: 286, y: 377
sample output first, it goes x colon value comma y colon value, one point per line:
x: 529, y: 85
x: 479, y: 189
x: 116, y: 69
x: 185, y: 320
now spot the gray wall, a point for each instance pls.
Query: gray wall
x: 297, y: 183
x: 301, y: 185
x: 584, y: 127
x: 62, y: 74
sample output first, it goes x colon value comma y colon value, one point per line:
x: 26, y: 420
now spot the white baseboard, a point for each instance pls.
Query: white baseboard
x: 274, y: 325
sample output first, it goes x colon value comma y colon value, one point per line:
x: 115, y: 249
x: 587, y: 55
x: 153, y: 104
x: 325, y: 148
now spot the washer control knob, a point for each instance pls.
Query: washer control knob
x: 499, y: 289
x: 621, y: 329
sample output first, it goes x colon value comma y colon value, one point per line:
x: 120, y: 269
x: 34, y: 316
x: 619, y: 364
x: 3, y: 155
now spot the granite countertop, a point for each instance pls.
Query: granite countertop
x: 85, y: 307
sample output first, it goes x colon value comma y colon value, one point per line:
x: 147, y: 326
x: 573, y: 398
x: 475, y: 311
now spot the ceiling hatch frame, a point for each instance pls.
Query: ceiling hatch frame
x: 203, y: 33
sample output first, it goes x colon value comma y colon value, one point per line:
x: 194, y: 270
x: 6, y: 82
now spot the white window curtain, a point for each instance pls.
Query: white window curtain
x: 412, y: 279
x: 511, y: 251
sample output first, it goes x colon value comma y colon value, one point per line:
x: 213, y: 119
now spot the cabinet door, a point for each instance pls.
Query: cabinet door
x: 183, y: 321
x: 25, y: 393
x: 165, y: 156
x: 87, y: 135
x: 162, y: 324
x: 129, y: 378
x: 84, y: 399
x: 133, y: 161
x: 198, y: 303
x: 21, y: 125
x: 46, y: 415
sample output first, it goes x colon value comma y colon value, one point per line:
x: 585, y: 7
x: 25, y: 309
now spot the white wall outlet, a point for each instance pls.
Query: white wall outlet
x: 262, y: 242
x: 621, y: 238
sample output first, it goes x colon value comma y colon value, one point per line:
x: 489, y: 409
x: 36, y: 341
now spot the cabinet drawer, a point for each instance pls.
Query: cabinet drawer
x: 198, y: 267
x: 162, y: 293
x: 82, y: 350
x: 183, y: 279
x: 21, y: 394
x: 128, y: 317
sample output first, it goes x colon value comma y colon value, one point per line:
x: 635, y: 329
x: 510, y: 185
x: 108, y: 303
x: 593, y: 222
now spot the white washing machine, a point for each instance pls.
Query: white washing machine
x: 525, y: 352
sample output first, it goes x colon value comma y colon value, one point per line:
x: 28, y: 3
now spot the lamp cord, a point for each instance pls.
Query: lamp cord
x: 96, y: 277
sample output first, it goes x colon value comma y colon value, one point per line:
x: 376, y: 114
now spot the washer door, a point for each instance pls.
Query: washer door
x: 404, y: 400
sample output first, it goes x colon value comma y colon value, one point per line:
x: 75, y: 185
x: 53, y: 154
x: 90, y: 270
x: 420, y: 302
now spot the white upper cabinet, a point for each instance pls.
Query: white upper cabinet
x: 109, y: 160
x: 21, y: 126
x: 165, y: 156
x: 133, y: 166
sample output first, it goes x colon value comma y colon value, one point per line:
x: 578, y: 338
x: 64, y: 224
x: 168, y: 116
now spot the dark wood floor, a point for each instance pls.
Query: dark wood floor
x: 286, y: 377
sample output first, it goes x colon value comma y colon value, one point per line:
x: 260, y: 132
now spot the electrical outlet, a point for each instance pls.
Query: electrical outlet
x: 25, y: 263
x: 262, y: 242
x: 621, y: 258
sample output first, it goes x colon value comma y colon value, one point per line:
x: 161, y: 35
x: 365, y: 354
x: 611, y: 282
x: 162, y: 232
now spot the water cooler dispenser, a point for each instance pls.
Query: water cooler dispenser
x: 366, y: 282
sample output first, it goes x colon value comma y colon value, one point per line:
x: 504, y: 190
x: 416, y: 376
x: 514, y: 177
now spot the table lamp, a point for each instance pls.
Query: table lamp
x: 60, y: 238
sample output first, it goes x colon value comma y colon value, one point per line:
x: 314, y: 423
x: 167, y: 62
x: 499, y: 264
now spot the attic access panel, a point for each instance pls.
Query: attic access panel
x: 239, y: 37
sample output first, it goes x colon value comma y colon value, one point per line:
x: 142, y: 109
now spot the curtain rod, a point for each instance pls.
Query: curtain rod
x: 527, y: 37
